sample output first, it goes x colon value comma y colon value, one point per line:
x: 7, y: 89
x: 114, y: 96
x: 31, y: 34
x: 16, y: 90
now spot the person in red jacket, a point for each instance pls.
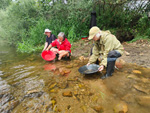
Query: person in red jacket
x: 63, y: 46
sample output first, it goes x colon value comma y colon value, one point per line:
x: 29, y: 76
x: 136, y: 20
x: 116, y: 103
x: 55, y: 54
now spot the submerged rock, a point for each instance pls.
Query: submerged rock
x: 132, y: 76
x: 140, y: 88
x: 121, y: 108
x: 98, y: 109
x: 64, y: 71
x: 52, y: 85
x: 143, y: 100
x: 63, y: 85
x: 84, y: 108
x: 67, y: 94
x: 129, y: 98
x: 53, y: 91
x: 137, y: 72
x: 5, y: 98
x: 33, y: 93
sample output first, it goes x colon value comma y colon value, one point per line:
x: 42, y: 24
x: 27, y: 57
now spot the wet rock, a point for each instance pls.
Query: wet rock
x: 16, y: 84
x: 137, y: 72
x: 1, y: 73
x: 127, y: 53
x: 143, y: 100
x: 64, y: 71
x: 81, y: 58
x: 69, y: 66
x: 67, y: 71
x: 118, y: 65
x: 129, y: 98
x: 98, y: 109
x: 75, y: 65
x: 52, y: 85
x: 75, y: 93
x: 84, y: 108
x: 33, y: 93
x: 145, y: 80
x: 53, y: 91
x: 12, y: 105
x: 9, y: 106
x: 63, y: 85
x: 67, y: 94
x: 131, y: 76
x: 6, y: 98
x: 121, y: 108
x: 142, y: 89
x: 95, y: 98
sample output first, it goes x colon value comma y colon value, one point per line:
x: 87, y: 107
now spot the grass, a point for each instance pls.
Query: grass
x: 139, y: 37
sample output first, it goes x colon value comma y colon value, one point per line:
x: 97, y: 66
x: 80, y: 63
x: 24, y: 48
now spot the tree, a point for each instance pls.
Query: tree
x: 4, y: 3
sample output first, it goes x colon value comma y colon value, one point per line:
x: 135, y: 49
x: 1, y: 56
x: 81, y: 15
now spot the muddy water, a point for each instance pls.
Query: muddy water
x: 28, y: 84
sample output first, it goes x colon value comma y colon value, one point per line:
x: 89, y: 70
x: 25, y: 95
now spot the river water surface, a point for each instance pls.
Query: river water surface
x: 28, y: 84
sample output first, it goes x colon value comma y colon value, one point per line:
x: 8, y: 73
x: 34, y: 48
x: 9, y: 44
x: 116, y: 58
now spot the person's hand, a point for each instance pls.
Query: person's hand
x: 47, y: 49
x: 101, y: 68
x: 87, y: 64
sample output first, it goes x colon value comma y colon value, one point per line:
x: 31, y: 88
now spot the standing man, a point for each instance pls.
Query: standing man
x: 106, y: 47
x: 49, y: 38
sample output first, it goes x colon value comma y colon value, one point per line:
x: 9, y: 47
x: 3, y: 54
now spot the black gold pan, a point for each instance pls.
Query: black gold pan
x: 92, y: 68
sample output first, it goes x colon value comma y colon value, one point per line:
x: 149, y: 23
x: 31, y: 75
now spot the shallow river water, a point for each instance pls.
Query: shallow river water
x: 28, y: 84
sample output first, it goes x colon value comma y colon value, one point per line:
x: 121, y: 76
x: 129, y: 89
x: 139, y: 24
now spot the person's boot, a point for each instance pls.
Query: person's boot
x: 109, y: 70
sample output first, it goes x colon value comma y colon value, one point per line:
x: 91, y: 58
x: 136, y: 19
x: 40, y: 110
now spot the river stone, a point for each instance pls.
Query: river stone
x: 1, y: 73
x: 6, y: 98
x: 118, y: 65
x: 139, y: 88
x: 143, y: 100
x: 84, y: 108
x: 13, y: 104
x: 53, y: 91
x: 67, y: 94
x: 129, y: 98
x: 133, y: 77
x: 62, y: 85
x: 67, y: 71
x: 137, y: 72
x: 75, y: 93
x: 33, y: 94
x: 121, y: 108
x: 52, y: 85
x: 81, y: 58
x: 69, y: 66
x: 98, y: 109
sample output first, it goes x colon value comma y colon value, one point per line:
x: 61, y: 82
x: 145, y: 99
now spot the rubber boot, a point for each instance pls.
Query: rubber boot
x: 109, y: 69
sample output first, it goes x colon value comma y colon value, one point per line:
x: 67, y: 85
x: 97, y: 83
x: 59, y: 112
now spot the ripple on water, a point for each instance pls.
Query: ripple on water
x: 19, y: 66
x: 23, y: 75
x: 1, y: 73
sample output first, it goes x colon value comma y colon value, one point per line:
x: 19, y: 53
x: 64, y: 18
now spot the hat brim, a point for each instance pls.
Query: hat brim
x: 47, y: 32
x: 91, y: 37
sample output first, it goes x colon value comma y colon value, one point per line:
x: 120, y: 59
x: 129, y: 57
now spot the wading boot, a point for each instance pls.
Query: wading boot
x: 109, y: 69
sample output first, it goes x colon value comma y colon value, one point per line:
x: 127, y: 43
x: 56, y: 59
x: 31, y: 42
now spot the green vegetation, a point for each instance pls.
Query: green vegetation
x: 22, y: 22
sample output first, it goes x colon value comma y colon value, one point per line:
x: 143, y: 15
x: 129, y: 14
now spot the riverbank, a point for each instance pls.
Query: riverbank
x: 136, y: 52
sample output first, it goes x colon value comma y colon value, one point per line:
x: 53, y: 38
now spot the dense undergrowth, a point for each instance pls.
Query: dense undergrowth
x: 22, y: 22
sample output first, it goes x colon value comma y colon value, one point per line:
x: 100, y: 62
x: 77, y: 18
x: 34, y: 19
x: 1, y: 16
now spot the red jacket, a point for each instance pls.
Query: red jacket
x: 65, y: 45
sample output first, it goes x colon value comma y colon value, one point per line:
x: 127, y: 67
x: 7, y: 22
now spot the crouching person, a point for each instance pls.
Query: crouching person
x: 106, y: 47
x: 63, y: 46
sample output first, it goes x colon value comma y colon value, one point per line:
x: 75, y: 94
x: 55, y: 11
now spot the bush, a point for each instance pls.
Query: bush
x: 23, y: 22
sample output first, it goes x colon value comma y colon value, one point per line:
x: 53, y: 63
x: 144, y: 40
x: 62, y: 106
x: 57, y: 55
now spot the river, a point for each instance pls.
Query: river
x: 28, y: 84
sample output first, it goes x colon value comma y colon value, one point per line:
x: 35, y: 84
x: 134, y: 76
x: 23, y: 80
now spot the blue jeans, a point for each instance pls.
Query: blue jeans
x: 113, y: 55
